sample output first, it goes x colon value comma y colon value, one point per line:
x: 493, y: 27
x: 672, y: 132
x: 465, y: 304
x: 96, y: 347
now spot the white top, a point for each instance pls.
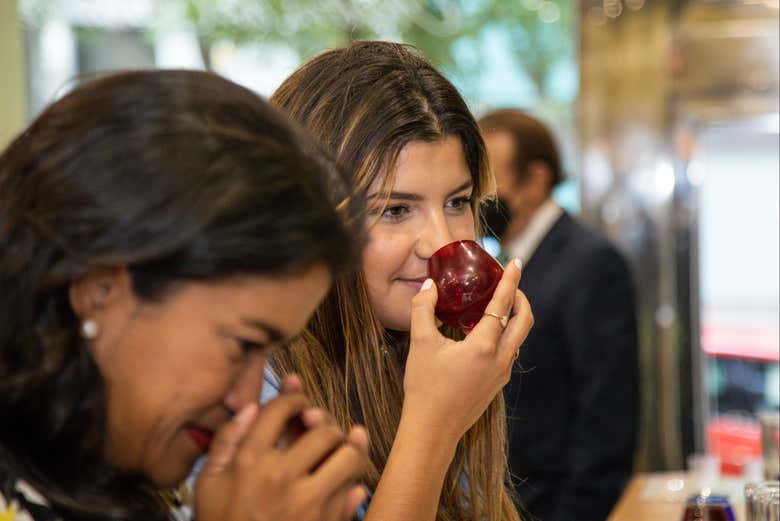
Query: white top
x: 524, y: 245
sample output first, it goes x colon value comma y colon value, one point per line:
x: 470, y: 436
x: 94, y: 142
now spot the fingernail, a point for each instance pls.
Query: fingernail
x: 427, y: 284
x: 519, y: 263
x: 358, y: 436
x: 362, y: 430
x: 246, y: 414
x: 293, y: 381
x: 313, y: 416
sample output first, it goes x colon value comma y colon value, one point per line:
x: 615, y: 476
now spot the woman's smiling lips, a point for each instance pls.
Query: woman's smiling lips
x: 202, y: 437
x: 415, y: 283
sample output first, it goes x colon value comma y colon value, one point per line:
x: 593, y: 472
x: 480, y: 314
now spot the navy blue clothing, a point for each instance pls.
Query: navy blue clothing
x: 572, y: 402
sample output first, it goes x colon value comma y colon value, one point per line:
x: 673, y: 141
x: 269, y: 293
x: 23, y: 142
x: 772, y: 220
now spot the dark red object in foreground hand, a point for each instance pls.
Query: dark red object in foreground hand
x: 466, y: 277
x: 295, y: 429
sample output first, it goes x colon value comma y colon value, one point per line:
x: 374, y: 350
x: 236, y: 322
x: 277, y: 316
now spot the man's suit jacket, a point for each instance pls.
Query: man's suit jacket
x: 572, y: 402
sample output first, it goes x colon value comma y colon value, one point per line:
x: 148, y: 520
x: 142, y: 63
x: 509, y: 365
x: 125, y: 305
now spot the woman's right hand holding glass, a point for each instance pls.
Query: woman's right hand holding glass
x: 253, y: 474
x: 448, y: 384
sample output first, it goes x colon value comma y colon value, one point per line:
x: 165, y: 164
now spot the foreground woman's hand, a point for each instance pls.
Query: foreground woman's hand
x: 447, y: 387
x: 248, y: 476
x: 449, y: 384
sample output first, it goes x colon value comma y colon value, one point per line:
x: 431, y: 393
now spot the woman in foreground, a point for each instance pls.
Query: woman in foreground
x: 161, y: 234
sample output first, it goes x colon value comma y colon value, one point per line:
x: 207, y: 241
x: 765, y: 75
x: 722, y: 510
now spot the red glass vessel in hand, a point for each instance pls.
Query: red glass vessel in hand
x: 466, y: 277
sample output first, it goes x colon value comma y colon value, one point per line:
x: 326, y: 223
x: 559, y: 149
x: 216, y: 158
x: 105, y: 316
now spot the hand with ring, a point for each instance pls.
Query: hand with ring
x: 448, y: 384
x: 502, y: 319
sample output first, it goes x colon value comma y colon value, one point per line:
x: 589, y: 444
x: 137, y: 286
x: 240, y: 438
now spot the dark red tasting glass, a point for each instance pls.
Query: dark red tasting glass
x: 466, y: 277
x: 295, y: 429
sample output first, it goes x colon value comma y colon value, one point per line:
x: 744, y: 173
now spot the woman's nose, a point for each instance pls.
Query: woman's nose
x: 435, y: 234
x: 246, y: 388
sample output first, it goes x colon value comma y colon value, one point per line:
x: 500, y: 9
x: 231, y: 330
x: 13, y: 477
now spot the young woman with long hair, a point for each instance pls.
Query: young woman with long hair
x: 372, y: 353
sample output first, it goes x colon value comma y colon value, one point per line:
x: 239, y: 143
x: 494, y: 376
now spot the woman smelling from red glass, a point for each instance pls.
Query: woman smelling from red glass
x: 161, y: 235
x: 373, y: 353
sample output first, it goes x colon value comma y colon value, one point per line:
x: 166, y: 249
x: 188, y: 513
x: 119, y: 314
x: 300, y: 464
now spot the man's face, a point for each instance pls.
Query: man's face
x: 500, y: 148
x: 522, y: 198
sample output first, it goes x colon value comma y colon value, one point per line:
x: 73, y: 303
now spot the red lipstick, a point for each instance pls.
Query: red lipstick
x: 201, y: 437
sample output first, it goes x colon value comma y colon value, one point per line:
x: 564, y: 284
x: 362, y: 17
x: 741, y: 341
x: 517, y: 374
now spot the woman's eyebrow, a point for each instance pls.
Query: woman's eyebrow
x: 274, y: 333
x: 409, y: 196
x: 467, y: 184
x: 403, y: 196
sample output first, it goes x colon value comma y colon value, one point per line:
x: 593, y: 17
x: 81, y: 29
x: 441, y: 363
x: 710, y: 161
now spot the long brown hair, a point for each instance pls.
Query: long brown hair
x: 364, y: 102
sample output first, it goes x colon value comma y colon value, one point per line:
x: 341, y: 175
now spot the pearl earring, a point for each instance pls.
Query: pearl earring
x: 89, y: 329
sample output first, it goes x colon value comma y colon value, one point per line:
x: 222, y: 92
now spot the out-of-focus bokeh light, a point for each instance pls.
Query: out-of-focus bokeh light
x: 635, y: 5
x: 613, y: 8
x: 663, y: 180
x: 549, y: 12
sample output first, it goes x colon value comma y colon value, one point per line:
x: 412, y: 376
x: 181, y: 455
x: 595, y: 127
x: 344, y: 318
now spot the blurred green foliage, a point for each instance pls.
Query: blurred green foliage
x: 537, y: 32
x: 493, y: 45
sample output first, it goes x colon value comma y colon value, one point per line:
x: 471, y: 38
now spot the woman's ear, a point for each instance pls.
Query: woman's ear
x: 98, y: 289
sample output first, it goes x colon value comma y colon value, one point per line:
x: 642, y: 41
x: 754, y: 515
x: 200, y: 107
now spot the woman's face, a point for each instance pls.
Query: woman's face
x: 429, y: 206
x: 176, y: 371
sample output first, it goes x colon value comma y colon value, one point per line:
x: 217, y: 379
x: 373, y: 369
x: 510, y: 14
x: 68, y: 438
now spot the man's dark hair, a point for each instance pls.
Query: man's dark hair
x: 531, y: 139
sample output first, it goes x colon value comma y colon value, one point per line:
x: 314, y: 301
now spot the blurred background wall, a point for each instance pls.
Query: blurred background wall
x: 13, y: 88
x: 679, y: 136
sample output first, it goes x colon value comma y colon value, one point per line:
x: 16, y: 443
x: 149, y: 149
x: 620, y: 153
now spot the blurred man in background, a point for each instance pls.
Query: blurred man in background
x: 572, y: 403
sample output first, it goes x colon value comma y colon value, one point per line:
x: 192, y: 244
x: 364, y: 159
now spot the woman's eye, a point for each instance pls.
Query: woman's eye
x: 246, y: 347
x: 460, y: 203
x: 395, y: 213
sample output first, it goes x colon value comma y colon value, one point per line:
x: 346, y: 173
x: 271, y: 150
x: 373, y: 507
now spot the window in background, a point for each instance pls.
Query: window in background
x: 739, y: 242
